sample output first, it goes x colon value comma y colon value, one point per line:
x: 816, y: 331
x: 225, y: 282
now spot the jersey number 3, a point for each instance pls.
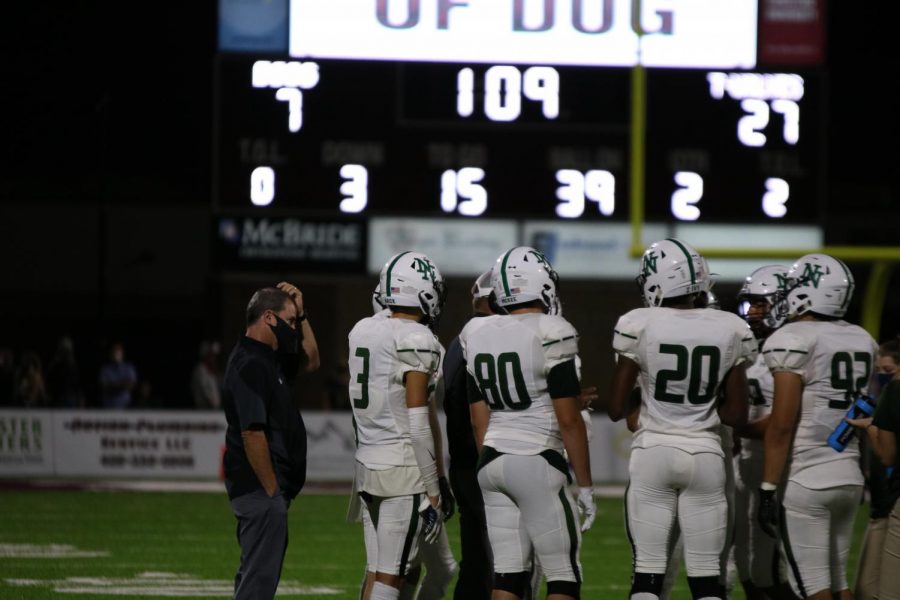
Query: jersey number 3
x: 689, y: 366
x: 363, y: 379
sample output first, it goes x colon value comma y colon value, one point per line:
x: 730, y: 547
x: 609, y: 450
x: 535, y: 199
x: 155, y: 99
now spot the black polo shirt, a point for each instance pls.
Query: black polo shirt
x: 460, y: 439
x: 257, y: 396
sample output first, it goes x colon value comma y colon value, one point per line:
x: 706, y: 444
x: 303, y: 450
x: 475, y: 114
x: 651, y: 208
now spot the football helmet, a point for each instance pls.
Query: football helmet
x: 377, y: 304
x: 523, y: 274
x: 712, y: 300
x: 482, y: 286
x: 671, y: 268
x: 764, y: 285
x: 818, y: 283
x: 411, y: 279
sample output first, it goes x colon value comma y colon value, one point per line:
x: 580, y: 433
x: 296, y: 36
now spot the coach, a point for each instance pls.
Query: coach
x: 265, y: 443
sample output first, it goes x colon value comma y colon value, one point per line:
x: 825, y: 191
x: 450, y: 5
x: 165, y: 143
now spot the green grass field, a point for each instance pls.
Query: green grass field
x: 134, y: 544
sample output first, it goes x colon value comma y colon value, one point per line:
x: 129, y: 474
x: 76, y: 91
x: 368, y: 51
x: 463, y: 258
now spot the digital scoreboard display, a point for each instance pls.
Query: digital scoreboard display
x: 470, y: 109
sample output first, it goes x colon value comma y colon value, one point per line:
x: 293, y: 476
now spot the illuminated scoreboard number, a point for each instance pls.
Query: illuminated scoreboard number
x: 733, y: 146
x: 467, y: 140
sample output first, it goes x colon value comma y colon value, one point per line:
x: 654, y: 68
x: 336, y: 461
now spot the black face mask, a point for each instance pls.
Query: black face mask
x: 286, y: 336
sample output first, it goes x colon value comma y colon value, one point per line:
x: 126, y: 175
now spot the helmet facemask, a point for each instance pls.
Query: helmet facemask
x: 761, y: 301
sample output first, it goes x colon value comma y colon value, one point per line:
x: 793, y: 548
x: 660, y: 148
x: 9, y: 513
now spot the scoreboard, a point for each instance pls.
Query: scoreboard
x: 409, y: 108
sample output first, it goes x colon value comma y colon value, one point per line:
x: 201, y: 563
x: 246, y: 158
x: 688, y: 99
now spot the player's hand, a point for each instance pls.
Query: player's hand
x: 862, y: 423
x: 295, y: 294
x: 767, y: 513
x: 587, y: 396
x: 448, y: 502
x: 586, y: 507
x: 431, y: 518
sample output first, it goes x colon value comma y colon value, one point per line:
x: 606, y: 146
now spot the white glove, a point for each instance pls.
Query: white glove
x: 586, y: 507
x: 432, y: 520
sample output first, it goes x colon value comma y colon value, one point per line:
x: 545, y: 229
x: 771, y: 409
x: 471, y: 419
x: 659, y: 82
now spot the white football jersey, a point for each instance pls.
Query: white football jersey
x: 382, y: 351
x: 761, y: 387
x: 834, y: 359
x: 510, y: 357
x: 684, y: 356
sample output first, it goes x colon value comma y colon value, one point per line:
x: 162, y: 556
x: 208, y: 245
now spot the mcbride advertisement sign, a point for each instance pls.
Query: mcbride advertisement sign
x: 301, y: 244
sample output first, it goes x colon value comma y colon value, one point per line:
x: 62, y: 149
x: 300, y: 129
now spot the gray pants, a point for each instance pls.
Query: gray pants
x: 262, y: 533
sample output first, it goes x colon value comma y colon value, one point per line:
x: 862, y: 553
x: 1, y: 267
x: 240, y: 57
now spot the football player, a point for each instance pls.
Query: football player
x: 437, y: 557
x: 759, y: 564
x: 525, y: 411
x: 820, y: 364
x: 682, y: 357
x: 392, y: 362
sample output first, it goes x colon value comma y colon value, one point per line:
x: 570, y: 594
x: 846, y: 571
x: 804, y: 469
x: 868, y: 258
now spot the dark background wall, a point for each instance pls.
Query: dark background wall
x: 105, y: 193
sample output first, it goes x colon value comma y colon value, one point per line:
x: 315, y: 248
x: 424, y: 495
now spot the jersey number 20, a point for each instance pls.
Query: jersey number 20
x: 689, y: 366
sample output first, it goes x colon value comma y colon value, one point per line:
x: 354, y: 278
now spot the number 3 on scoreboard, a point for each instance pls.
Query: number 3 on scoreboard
x: 355, y: 188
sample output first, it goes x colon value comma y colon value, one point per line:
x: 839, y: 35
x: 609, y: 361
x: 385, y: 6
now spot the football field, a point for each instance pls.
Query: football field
x: 80, y: 544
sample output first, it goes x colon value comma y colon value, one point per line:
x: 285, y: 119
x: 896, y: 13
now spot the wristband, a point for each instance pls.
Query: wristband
x: 301, y: 318
x: 768, y: 487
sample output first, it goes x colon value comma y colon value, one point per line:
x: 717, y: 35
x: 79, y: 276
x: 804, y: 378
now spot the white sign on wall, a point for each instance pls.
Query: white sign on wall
x: 602, y: 250
x: 696, y: 34
x: 188, y: 445
x: 457, y: 247
x: 157, y: 444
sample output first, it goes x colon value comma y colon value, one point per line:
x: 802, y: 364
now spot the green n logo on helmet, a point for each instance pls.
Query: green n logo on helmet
x: 540, y: 258
x: 782, y: 281
x: 424, y: 267
x: 812, y: 274
x: 649, y: 265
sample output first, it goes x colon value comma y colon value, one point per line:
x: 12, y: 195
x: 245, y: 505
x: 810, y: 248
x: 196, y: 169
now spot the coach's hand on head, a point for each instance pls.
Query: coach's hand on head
x: 296, y: 295
x: 308, y: 342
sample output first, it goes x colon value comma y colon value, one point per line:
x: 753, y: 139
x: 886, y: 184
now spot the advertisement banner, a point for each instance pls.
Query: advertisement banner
x: 157, y: 444
x: 253, y: 26
x: 26, y: 442
x: 294, y: 243
x: 188, y: 445
x: 602, y: 250
x: 792, y: 32
x: 331, y: 446
x: 457, y: 247
x: 696, y: 34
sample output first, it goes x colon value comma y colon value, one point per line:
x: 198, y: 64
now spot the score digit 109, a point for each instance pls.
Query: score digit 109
x: 509, y: 141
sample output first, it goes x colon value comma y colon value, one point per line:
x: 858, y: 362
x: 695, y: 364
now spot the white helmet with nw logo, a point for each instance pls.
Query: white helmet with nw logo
x: 411, y: 279
x: 522, y: 274
x: 819, y: 283
x: 671, y: 268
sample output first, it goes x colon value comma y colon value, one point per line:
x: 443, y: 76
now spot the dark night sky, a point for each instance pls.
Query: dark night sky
x: 116, y: 102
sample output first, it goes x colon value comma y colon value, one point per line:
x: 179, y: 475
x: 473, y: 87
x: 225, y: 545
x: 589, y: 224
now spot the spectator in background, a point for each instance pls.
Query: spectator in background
x: 884, y: 489
x: 7, y: 376
x: 63, y: 379
x: 205, y: 383
x: 117, y: 379
x: 29, y: 390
